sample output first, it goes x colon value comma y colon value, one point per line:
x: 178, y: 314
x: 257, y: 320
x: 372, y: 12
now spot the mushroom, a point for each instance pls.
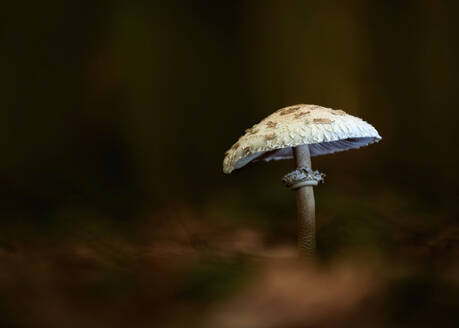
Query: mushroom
x: 299, y: 132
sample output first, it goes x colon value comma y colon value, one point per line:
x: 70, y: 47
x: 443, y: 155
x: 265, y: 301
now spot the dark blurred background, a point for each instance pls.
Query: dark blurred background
x: 114, y: 120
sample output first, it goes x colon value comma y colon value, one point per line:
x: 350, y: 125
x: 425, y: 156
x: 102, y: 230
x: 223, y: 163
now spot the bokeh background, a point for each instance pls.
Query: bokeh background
x: 115, y: 116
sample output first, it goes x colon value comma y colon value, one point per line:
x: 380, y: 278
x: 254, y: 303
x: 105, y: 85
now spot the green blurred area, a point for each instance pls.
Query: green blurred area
x: 114, y: 120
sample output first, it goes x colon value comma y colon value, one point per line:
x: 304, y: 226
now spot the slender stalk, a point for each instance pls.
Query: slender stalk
x: 305, y: 207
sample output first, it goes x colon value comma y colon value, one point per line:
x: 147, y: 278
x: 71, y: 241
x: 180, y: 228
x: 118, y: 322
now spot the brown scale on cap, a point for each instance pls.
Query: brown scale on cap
x: 235, y: 146
x: 289, y: 110
x: 252, y: 130
x: 271, y: 124
x: 270, y: 136
x: 338, y: 112
x: 298, y: 115
x: 246, y: 151
x: 322, y: 120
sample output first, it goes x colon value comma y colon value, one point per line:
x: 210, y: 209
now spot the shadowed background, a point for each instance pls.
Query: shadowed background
x: 114, y: 120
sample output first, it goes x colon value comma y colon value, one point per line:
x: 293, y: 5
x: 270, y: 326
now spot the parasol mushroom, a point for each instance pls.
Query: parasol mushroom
x: 299, y: 132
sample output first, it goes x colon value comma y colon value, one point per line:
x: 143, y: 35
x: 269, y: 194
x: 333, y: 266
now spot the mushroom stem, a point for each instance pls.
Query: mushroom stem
x: 305, y: 206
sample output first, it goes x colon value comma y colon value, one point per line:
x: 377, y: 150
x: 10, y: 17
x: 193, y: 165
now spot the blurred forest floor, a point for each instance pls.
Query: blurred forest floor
x: 380, y: 264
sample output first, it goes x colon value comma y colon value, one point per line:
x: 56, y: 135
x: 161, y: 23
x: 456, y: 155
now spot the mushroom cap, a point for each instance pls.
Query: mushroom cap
x: 325, y: 130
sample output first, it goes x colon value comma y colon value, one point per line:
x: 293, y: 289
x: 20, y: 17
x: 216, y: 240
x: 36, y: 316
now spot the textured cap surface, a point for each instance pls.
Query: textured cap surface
x: 325, y: 130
